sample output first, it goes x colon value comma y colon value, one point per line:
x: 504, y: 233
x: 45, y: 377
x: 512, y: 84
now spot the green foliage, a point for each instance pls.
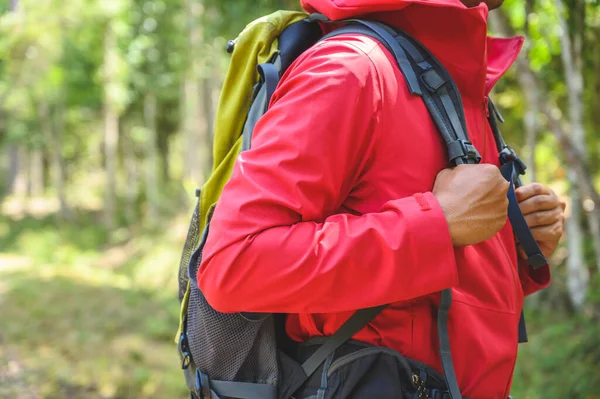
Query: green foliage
x: 87, y: 319
x: 561, y: 361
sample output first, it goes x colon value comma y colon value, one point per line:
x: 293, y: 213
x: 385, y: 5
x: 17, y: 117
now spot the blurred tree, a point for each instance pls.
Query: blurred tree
x: 573, y: 143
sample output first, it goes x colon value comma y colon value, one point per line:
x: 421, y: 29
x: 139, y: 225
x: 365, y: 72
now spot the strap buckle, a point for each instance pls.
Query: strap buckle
x: 186, y: 356
x: 432, y: 80
x: 509, y: 155
x: 463, y: 150
x: 202, y: 385
x: 317, y: 17
x: 438, y: 394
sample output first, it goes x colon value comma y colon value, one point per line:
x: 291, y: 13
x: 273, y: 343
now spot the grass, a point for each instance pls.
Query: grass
x: 90, y: 313
x: 87, y: 313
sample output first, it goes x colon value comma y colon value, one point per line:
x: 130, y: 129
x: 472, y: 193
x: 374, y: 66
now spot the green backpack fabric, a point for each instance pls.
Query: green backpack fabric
x: 256, y: 44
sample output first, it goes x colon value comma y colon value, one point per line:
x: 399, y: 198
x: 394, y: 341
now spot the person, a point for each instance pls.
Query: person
x: 345, y: 201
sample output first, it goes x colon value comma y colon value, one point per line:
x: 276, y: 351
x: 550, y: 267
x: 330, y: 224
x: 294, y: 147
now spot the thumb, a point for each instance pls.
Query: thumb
x: 521, y: 251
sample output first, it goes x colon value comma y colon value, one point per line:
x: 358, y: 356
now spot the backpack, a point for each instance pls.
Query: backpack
x: 248, y: 355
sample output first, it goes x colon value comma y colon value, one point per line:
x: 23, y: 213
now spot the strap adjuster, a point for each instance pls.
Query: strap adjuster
x: 509, y: 155
x: 432, y: 80
x: 186, y: 356
x: 537, y: 260
x: 438, y: 394
x: 464, y: 150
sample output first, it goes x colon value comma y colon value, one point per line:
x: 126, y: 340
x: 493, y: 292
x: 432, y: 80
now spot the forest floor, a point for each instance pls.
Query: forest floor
x: 87, y: 313
x: 90, y: 313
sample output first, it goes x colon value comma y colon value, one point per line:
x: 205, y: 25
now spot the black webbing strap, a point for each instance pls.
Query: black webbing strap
x: 353, y: 325
x: 231, y: 389
x: 535, y: 257
x: 522, y: 330
x: 450, y: 109
x: 444, y: 338
x: 270, y: 76
x: 205, y: 388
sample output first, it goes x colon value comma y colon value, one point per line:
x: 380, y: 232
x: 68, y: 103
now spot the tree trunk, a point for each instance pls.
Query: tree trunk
x: 59, y: 169
x: 194, y: 121
x: 191, y: 127
x: 131, y: 171
x: 571, y: 55
x: 164, y: 130
x: 209, y: 118
x: 13, y: 149
x: 14, y: 162
x: 52, y: 137
x: 577, y: 273
x: 578, y: 172
x: 596, y: 92
x: 36, y: 173
x: 111, y: 128
x: 152, y: 195
x: 531, y: 93
x: 19, y: 186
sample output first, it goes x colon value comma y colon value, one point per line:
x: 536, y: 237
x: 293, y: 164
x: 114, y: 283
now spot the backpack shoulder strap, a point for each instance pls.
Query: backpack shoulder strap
x: 427, y: 78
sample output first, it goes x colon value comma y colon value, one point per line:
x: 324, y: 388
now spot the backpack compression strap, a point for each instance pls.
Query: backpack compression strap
x: 353, y: 325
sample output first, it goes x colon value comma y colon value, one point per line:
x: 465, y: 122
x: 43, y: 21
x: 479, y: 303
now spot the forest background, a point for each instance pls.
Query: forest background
x: 106, y: 114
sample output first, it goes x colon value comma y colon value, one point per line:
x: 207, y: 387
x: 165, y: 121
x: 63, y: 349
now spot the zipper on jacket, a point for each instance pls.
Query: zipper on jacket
x: 486, y: 115
x: 486, y: 104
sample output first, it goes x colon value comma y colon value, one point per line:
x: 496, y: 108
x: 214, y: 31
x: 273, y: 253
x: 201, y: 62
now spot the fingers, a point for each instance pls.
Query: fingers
x: 543, y: 202
x: 532, y: 190
x: 521, y: 252
x: 544, y: 218
x: 548, y: 233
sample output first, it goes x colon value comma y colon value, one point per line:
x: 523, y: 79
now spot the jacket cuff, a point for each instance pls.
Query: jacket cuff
x: 533, y: 280
x: 432, y: 252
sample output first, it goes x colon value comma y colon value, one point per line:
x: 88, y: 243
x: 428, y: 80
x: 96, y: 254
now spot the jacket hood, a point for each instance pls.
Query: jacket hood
x: 454, y: 33
x: 340, y: 9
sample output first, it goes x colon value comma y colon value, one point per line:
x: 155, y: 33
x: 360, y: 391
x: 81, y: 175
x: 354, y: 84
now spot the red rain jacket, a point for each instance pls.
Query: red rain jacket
x: 332, y: 211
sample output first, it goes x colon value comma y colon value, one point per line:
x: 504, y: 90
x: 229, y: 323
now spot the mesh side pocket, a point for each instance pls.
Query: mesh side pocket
x: 191, y: 242
x: 228, y: 346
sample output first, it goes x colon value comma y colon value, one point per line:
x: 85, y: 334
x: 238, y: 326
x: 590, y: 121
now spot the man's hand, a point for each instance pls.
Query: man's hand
x: 544, y: 213
x: 474, y: 201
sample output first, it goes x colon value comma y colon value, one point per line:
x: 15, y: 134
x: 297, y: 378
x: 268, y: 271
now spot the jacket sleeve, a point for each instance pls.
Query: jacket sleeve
x: 533, y: 280
x: 277, y: 241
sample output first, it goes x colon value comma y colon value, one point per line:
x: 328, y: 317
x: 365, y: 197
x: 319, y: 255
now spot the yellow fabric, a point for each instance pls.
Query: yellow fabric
x: 256, y: 44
